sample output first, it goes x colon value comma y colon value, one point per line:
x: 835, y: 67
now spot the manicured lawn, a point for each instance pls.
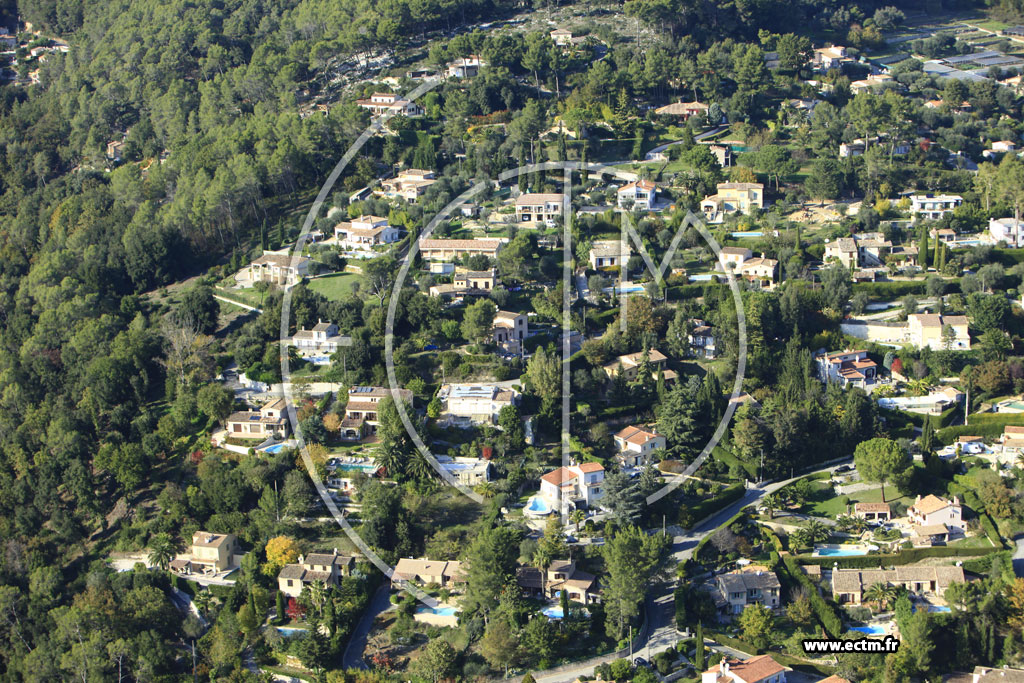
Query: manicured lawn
x: 247, y: 296
x: 334, y: 287
x: 729, y: 460
x: 823, y: 503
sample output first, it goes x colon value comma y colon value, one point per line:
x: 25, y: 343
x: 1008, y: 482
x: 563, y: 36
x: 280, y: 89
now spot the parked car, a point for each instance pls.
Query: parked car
x: 843, y: 469
x: 640, y: 661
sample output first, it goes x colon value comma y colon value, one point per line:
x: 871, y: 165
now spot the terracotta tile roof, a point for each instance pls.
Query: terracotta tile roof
x: 532, y: 199
x: 559, y: 476
x: 871, y: 507
x: 752, y: 670
x: 930, y: 504
x: 482, y: 244
x: 636, y: 435
x: 587, y: 467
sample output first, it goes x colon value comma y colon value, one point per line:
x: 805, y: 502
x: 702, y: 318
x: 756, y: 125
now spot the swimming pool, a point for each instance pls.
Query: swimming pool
x: 367, y: 467
x: 624, y: 289
x: 869, y: 630
x: 290, y: 632
x: 701, y: 277
x: 276, y: 448
x: 537, y: 506
x: 746, y: 233
x: 934, y: 609
x: 842, y: 550
x: 439, y: 611
x: 553, y: 612
x: 319, y: 360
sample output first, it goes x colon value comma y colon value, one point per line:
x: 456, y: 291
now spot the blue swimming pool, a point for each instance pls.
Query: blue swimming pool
x: 367, y: 467
x: 840, y: 550
x: 538, y: 506
x: 625, y: 289
x: 701, y: 277
x: 869, y: 630
x: 746, y: 233
x: 935, y: 609
x: 440, y: 611
x: 553, y: 612
x: 319, y: 360
x: 276, y: 448
x: 290, y: 632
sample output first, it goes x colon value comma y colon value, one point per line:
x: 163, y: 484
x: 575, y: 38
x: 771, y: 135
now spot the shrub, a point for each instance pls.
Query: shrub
x: 691, y: 515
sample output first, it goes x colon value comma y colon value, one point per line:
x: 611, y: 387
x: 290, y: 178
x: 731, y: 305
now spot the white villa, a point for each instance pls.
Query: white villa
x: 1006, y: 230
x: 933, y: 207
x: 567, y: 486
x: 479, y: 403
x: 409, y: 184
x: 390, y: 103
x: 365, y: 233
x: 636, y: 445
x: 510, y: 330
x: 640, y: 194
x: 538, y: 207
x: 322, y: 339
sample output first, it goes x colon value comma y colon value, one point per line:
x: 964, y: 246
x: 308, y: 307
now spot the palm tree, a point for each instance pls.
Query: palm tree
x: 418, y: 468
x: 772, y: 502
x: 318, y: 596
x: 542, y: 560
x: 161, y: 550
x: 202, y: 601
x: 391, y: 459
x: 877, y: 593
x: 577, y: 516
x: 486, y: 489
x: 799, y: 538
x: 817, y: 531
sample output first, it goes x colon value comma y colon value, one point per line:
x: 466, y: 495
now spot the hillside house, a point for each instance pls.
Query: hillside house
x: 702, y: 342
x: 639, y: 194
x: 258, y: 424
x: 464, y: 67
x: 609, y: 254
x: 380, y: 103
x: 938, y: 332
x: 760, y: 669
x: 847, y: 367
x: 848, y: 585
x: 450, y: 250
x: 365, y: 233
x: 732, y: 258
x: 760, y: 271
x: 210, y: 554
x: 683, y: 110
x: 575, y: 485
x: 477, y: 403
x: 637, y: 446
x: 426, y: 572
x: 361, y: 418
x: 327, y: 568
x: 322, y: 339
x: 1007, y: 230
x: 409, y: 184
x: 582, y: 587
x: 932, y: 510
x: 630, y: 364
x: 732, y: 198
x: 510, y: 330
x: 276, y: 267
x: 538, y: 207
x: 933, y: 207
x: 748, y: 586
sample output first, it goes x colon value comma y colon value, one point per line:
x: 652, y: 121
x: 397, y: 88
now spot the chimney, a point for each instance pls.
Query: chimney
x: 725, y: 667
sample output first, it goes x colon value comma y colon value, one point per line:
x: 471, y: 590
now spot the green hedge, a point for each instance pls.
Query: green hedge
x: 908, y: 556
x: 971, y: 500
x: 734, y: 643
x: 691, y: 291
x: 890, y: 290
x: 986, y: 425
x: 690, y: 515
x: 823, y: 610
x: 983, y: 564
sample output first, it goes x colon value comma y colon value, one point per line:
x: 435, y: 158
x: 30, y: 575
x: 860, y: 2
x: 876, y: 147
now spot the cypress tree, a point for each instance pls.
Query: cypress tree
x: 280, y: 607
x: 698, y: 656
